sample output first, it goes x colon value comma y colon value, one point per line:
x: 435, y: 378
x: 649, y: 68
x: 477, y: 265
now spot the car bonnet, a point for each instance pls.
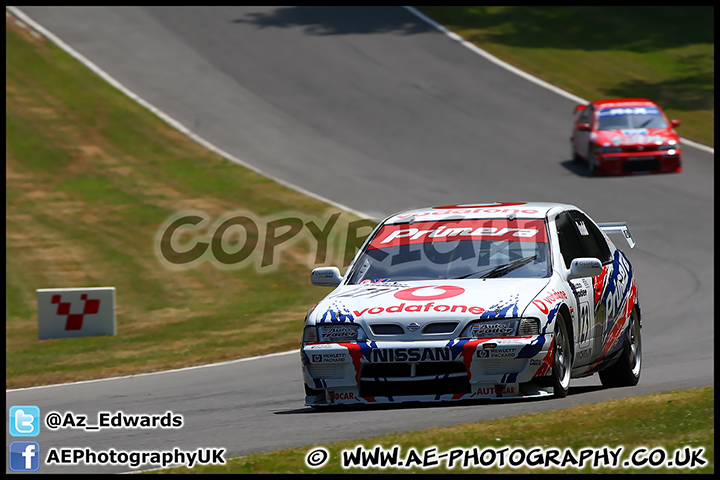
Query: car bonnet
x: 648, y: 137
x: 418, y: 301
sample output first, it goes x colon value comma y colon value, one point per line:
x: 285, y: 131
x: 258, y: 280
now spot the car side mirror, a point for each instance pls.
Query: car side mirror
x: 675, y: 123
x: 326, y: 277
x: 583, y: 127
x: 585, y: 267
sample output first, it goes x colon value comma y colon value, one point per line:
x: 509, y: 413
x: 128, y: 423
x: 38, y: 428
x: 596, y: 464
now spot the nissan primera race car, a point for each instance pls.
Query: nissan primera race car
x: 474, y: 301
x: 625, y: 136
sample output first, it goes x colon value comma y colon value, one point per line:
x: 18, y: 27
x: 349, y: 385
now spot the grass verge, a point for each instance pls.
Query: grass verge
x: 665, y: 54
x: 91, y: 178
x: 654, y: 431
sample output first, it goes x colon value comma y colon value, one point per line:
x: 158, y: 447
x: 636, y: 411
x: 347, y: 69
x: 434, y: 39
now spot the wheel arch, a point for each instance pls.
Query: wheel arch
x: 564, y: 310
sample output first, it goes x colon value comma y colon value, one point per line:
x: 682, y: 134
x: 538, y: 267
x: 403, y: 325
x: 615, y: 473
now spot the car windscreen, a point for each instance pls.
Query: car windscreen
x: 454, y: 249
x: 630, y: 117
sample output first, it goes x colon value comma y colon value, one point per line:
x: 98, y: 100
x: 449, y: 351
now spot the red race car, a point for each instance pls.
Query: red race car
x: 625, y: 136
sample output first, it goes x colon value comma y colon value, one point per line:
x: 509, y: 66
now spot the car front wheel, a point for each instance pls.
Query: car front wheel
x: 562, y: 359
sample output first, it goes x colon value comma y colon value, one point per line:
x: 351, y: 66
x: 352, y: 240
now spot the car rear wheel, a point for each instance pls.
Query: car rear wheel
x: 574, y: 154
x: 562, y: 359
x: 625, y: 372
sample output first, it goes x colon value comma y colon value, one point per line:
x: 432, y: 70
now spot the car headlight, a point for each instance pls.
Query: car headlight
x: 528, y: 326
x: 599, y: 149
x: 333, y: 333
x: 503, y: 327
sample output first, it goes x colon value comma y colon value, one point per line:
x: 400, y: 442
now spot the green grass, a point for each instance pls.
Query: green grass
x: 91, y: 177
x: 670, y: 420
x: 665, y: 54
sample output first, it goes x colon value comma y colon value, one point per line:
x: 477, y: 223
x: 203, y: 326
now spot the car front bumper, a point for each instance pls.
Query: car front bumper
x: 638, y: 162
x: 389, y: 372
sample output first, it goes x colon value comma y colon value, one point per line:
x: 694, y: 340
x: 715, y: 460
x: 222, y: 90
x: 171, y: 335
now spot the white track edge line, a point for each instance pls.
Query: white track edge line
x: 166, y: 118
x: 135, y: 375
x: 525, y: 75
x: 177, y: 125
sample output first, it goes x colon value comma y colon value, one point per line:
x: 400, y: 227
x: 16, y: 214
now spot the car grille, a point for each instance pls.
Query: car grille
x: 429, y: 378
x: 433, y: 328
x: 386, y: 329
x: 440, y: 327
x: 638, y: 148
x: 640, y: 165
x: 326, y: 371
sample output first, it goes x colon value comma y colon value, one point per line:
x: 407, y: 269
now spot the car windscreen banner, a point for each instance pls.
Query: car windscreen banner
x: 528, y: 230
x: 609, y: 112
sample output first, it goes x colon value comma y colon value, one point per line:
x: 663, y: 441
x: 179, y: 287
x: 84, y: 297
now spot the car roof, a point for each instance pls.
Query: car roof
x: 623, y: 102
x: 480, y: 210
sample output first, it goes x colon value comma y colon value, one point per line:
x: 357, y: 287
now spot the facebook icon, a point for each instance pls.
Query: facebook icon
x: 24, y: 456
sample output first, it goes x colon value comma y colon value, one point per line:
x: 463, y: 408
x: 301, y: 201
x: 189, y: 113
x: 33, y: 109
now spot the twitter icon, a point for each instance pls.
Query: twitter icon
x: 24, y: 421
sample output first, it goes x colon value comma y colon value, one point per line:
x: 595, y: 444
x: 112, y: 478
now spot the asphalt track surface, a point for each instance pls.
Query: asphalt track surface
x: 375, y: 109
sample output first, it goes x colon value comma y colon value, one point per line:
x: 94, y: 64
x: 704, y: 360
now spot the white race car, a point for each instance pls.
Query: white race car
x: 474, y: 301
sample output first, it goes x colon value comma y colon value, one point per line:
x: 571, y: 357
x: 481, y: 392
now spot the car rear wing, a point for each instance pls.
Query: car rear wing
x: 618, y: 227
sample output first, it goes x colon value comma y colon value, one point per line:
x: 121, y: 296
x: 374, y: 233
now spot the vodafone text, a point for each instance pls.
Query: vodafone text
x: 418, y: 308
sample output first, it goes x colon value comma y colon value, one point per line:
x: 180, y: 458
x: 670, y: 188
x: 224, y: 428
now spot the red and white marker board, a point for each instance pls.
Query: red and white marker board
x: 75, y: 312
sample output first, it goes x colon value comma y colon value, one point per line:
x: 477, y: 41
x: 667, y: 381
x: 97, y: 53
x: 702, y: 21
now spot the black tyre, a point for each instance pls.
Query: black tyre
x: 562, y: 359
x: 573, y: 153
x: 590, y: 161
x: 625, y: 372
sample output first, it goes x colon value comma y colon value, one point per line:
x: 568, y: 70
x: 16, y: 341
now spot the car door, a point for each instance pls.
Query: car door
x: 580, y: 237
x: 592, y: 312
x: 571, y: 247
